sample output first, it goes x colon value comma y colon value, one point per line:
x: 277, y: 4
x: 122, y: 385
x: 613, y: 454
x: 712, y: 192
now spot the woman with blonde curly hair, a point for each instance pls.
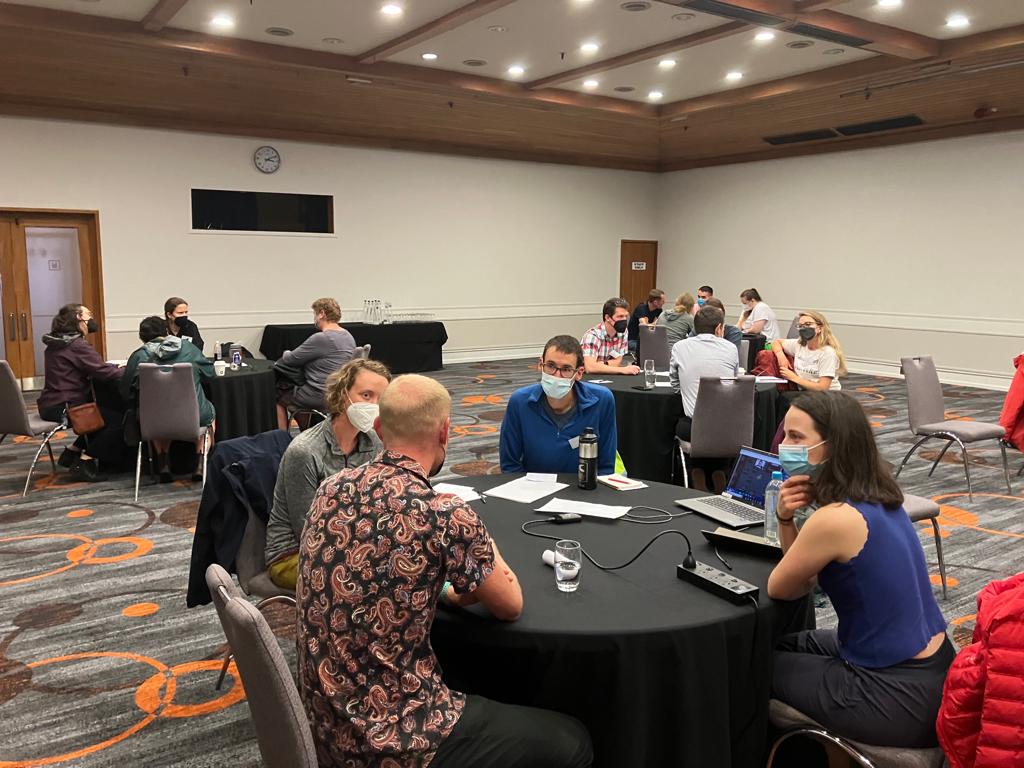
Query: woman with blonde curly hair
x: 818, y: 359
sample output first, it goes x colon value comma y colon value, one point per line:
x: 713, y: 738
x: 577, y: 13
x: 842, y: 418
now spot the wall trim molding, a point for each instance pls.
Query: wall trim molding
x: 970, y: 377
x: 907, y: 321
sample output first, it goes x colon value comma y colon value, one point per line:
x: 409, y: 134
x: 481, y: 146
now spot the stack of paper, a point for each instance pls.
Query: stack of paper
x: 620, y: 482
x: 526, y: 491
x: 606, y: 511
x: 464, y: 492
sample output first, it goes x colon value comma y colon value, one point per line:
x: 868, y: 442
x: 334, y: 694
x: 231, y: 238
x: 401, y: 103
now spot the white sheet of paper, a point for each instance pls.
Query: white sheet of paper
x: 663, y: 383
x: 600, y: 381
x: 541, y: 477
x: 464, y: 492
x: 661, y: 373
x: 525, y: 491
x: 770, y: 380
x: 606, y: 511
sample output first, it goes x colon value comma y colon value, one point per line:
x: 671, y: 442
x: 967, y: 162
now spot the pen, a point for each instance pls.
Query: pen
x: 614, y: 480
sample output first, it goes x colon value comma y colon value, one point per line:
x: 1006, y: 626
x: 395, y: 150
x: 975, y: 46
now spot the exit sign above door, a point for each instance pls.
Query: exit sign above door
x: 639, y: 266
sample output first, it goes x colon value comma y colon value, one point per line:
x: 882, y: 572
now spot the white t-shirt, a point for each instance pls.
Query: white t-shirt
x: 762, y: 311
x: 812, y: 364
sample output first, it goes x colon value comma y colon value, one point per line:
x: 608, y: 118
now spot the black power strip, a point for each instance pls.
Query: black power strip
x: 717, y: 582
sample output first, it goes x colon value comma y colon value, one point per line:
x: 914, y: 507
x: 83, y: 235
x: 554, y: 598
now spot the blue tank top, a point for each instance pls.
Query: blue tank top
x: 887, y: 612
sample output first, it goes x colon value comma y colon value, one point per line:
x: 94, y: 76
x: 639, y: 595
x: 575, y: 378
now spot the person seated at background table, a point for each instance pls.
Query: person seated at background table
x: 379, y: 550
x: 70, y: 366
x: 757, y: 316
x: 729, y: 332
x: 706, y: 354
x: 159, y: 347
x: 604, y: 346
x: 704, y: 293
x: 678, y: 322
x: 541, y: 429
x: 318, y: 357
x: 179, y: 324
x: 645, y: 313
x: 345, y: 440
x: 877, y: 679
x: 818, y: 360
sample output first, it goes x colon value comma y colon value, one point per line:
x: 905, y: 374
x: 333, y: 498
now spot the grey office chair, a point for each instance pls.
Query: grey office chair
x: 278, y: 717
x: 919, y: 508
x: 927, y: 419
x: 15, y: 419
x: 745, y: 354
x: 168, y: 410
x: 362, y: 352
x: 652, y: 344
x: 794, y: 329
x: 723, y: 421
x: 796, y: 723
x: 251, y: 564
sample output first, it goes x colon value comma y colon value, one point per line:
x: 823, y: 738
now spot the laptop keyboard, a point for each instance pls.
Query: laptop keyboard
x: 735, y: 508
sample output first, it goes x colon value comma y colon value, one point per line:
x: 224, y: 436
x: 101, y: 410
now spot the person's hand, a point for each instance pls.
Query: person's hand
x: 783, y: 363
x: 631, y: 370
x: 789, y: 374
x: 643, y: 321
x: 797, y: 492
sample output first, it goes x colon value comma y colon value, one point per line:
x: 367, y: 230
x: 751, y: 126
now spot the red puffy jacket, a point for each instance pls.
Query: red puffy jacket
x: 981, y: 719
x: 1012, y: 417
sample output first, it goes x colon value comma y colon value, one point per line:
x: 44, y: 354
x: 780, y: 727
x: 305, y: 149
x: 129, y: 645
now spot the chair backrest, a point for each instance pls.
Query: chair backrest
x: 723, y: 420
x: 653, y: 345
x: 744, y: 353
x: 282, y: 728
x: 13, y: 413
x: 362, y: 353
x: 168, y: 407
x: 924, y: 392
x: 251, y: 559
x: 794, y: 329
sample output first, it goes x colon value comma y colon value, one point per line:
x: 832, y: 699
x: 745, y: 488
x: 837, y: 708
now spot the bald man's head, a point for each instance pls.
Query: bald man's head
x: 414, y: 410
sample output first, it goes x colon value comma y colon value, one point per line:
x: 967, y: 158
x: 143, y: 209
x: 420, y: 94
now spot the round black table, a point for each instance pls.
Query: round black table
x: 661, y: 673
x: 245, y: 399
x: 646, y: 423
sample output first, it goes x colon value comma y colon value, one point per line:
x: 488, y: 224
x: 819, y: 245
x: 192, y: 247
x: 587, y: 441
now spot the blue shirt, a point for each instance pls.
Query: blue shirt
x: 532, y: 442
x: 883, y: 597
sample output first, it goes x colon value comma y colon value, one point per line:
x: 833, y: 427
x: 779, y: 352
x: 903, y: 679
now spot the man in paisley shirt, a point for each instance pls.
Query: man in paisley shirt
x: 379, y: 547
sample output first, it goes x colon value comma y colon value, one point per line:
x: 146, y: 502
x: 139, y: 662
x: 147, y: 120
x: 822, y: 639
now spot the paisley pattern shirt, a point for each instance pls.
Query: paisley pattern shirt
x: 377, y: 547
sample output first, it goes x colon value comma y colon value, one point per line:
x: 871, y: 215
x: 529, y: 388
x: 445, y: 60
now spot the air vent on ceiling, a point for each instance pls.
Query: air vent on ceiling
x: 624, y: 88
x: 716, y: 8
x: 796, y: 138
x: 798, y: 44
x: 475, y: 63
x: 892, y: 124
x: 637, y: 5
x: 809, y: 30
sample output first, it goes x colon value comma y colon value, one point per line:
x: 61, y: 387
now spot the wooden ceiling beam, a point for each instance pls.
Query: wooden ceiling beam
x: 161, y: 14
x: 643, y: 54
x: 983, y: 42
x: 446, y: 23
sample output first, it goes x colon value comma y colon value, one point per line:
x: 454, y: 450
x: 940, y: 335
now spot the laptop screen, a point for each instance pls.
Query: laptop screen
x: 751, y: 475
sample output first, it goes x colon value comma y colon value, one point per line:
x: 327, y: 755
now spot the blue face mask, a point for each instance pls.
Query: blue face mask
x: 794, y: 460
x: 700, y: 302
x: 555, y: 387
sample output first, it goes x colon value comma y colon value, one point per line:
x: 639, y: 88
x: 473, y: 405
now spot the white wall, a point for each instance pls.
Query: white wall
x: 507, y: 254
x: 908, y: 250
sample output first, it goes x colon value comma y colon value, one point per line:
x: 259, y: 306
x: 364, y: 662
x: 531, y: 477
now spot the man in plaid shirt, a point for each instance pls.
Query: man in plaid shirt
x: 604, y: 345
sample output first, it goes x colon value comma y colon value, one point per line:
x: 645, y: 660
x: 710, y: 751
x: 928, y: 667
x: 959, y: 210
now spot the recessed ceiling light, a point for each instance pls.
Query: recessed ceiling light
x: 798, y: 44
x: 625, y: 88
x: 429, y: 57
x: 391, y: 9
x: 958, y: 21
x: 683, y: 16
x: 279, y: 31
x: 638, y: 5
x: 655, y: 95
x: 332, y: 40
x: 516, y: 70
x: 497, y: 28
x: 222, y: 21
x: 666, y: 63
x: 834, y: 51
x: 475, y: 62
x: 764, y: 36
x: 734, y: 76
x: 591, y: 84
x: 590, y: 47
x: 890, y: 3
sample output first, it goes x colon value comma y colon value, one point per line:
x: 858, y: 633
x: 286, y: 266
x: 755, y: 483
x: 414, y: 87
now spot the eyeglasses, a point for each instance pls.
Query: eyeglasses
x: 565, y: 371
x: 807, y: 325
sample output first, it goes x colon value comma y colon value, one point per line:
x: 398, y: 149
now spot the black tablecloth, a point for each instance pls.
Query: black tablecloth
x: 646, y: 423
x: 245, y: 399
x: 662, y: 673
x: 403, y: 347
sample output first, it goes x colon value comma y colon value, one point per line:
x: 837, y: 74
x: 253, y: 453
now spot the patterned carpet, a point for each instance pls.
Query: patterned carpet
x: 101, y: 664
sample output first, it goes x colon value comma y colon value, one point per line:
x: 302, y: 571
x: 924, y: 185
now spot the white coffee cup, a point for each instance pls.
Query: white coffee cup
x: 219, y: 367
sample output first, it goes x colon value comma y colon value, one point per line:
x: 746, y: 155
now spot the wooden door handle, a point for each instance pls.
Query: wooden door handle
x: 14, y: 328
x: 24, y: 327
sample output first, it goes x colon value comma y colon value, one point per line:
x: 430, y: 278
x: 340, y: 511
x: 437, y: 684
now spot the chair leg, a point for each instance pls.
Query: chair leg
x: 910, y: 453
x: 686, y: 475
x: 967, y: 468
x: 224, y: 669
x: 138, y: 471
x: 3, y: 437
x: 938, y: 552
x: 53, y: 464
x: 31, y: 469
x: 943, y: 453
x: 206, y: 448
x: 823, y: 736
x: 1006, y: 467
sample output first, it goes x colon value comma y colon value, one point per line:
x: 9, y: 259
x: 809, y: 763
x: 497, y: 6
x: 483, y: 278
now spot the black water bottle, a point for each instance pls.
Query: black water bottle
x: 588, y: 460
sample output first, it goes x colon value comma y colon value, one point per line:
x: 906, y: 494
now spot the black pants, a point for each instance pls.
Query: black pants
x: 107, y: 445
x: 890, y: 707
x: 494, y: 735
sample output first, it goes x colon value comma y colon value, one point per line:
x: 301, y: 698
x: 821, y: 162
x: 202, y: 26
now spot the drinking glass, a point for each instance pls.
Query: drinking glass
x: 568, y: 562
x: 649, y: 374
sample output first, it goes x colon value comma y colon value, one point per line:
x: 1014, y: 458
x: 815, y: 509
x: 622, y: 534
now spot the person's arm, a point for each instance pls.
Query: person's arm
x: 301, y: 480
x: 477, y: 571
x: 95, y: 367
x: 510, y: 439
x: 126, y: 386
x: 607, y: 440
x: 593, y: 365
x: 755, y: 326
x: 193, y: 333
x: 306, y: 352
x: 779, y: 348
x: 673, y: 370
x: 201, y: 363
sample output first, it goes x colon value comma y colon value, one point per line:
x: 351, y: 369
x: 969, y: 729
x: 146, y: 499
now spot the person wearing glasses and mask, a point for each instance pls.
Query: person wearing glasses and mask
x: 178, y: 323
x: 818, y: 360
x: 346, y: 440
x: 543, y: 422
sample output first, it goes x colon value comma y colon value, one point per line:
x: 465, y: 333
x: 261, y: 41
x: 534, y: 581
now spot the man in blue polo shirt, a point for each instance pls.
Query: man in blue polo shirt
x: 543, y: 422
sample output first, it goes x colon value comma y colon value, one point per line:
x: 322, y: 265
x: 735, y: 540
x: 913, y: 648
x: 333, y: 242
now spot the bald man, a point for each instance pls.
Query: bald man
x: 379, y: 549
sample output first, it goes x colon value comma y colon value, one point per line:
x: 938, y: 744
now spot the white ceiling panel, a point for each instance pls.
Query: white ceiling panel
x: 538, y: 32
x: 703, y: 69
x: 928, y: 17
x: 132, y: 10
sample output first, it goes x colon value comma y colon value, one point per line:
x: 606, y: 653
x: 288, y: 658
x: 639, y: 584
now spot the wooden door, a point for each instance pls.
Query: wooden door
x: 33, y: 282
x: 638, y: 269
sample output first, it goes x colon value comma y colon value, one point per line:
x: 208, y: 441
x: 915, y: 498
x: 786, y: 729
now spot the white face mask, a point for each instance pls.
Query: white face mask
x: 362, y: 415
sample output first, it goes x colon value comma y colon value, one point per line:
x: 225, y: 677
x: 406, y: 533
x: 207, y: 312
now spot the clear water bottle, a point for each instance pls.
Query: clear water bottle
x: 218, y: 353
x: 771, y: 503
x: 587, y: 479
x: 236, y: 359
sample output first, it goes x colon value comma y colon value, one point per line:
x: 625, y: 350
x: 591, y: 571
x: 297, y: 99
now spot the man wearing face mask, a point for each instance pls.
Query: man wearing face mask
x: 704, y: 293
x: 346, y: 440
x: 605, y: 346
x: 543, y: 422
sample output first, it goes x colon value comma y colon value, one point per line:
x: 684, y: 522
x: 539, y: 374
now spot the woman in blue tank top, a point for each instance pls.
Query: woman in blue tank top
x: 878, y: 678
